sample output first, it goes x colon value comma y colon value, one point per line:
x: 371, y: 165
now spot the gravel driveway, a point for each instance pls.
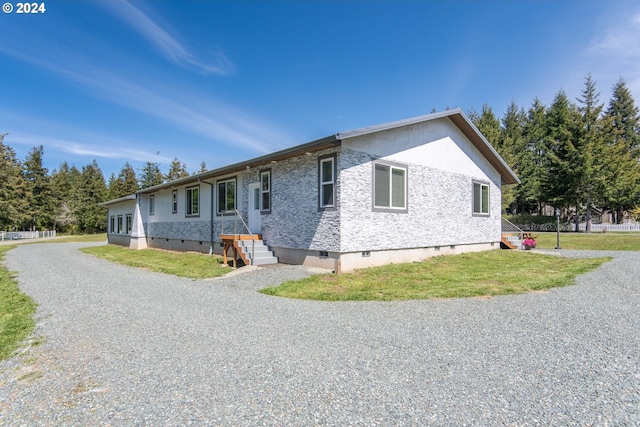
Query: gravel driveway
x: 123, y: 346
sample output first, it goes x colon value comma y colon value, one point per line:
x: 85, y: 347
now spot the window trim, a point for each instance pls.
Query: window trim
x: 152, y: 204
x: 233, y: 179
x: 128, y: 223
x: 333, y: 182
x: 112, y: 224
x: 189, y: 211
x: 482, y: 184
x: 174, y: 201
x: 391, y: 166
x: 267, y: 193
x: 120, y: 224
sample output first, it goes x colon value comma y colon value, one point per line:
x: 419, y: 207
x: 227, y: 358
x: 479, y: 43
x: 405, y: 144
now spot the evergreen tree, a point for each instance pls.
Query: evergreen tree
x: 533, y: 160
x: 510, y: 146
x: 177, y: 170
x: 622, y: 151
x: 124, y: 184
x: 625, y: 119
x: 203, y: 167
x: 589, y: 156
x: 14, y: 191
x: 488, y: 125
x: 150, y: 175
x: 560, y: 147
x: 66, y: 183
x: 92, y: 191
x: 42, y: 208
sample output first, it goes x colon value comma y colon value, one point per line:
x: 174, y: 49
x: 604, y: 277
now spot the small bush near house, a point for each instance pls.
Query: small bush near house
x: 16, y: 311
x: 479, y: 274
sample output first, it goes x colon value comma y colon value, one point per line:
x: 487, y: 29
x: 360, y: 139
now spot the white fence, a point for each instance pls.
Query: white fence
x: 19, y: 235
x: 611, y: 227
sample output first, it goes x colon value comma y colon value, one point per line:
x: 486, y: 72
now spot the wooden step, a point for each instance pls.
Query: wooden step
x: 508, y: 243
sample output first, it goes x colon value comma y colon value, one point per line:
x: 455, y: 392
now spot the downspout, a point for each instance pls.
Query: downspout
x: 211, y: 236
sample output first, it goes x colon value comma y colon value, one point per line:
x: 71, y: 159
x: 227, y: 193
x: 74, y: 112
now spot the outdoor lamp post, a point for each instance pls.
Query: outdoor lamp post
x: 558, y: 229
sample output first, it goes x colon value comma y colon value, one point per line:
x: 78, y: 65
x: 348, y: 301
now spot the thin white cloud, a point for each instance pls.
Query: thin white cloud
x: 190, y: 111
x: 166, y: 44
x: 614, y: 51
x: 117, y: 149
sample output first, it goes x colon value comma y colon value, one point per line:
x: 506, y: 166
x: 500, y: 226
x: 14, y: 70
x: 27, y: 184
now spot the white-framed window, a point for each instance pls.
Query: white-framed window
x: 174, y: 201
x: 265, y: 191
x: 128, y: 223
x: 120, y: 225
x: 112, y: 224
x: 480, y: 198
x: 226, y: 196
x: 152, y: 204
x: 389, y: 187
x: 193, y: 201
x: 327, y: 182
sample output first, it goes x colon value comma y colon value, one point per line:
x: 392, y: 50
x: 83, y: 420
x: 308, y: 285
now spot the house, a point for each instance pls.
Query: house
x: 391, y: 193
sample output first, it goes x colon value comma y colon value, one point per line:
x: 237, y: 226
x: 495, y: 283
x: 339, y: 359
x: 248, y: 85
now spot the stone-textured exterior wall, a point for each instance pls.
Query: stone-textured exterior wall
x: 183, y: 230
x: 295, y: 220
x: 439, y: 209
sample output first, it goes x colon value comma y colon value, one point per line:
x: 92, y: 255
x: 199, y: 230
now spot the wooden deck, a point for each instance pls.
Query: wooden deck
x: 230, y: 241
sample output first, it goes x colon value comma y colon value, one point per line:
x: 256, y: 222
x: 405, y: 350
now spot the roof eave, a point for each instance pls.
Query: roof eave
x: 118, y: 200
x: 459, y: 119
x: 309, y: 147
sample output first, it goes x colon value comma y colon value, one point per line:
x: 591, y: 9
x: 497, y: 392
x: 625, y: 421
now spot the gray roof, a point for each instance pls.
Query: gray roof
x: 118, y: 200
x: 455, y: 115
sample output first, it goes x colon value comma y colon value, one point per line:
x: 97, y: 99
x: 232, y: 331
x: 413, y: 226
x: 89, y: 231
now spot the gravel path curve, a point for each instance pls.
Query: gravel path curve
x: 122, y: 346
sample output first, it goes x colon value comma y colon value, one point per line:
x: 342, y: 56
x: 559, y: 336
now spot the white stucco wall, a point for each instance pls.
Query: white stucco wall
x: 442, y: 165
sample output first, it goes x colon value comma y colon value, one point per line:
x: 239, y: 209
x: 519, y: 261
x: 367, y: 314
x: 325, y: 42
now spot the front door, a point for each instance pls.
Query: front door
x: 254, y: 208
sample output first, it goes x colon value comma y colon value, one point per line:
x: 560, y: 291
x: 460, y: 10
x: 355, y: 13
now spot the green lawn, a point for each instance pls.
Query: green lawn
x: 489, y: 273
x: 185, y: 264
x: 101, y: 237
x: 590, y: 241
x: 16, y: 311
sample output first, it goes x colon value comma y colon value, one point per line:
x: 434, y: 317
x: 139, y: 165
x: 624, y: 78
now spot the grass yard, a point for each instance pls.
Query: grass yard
x: 185, y: 264
x: 101, y: 237
x: 16, y: 311
x: 590, y: 241
x: 490, y: 273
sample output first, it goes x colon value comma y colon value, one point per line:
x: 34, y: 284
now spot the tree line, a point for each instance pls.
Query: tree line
x: 68, y: 198
x: 576, y: 156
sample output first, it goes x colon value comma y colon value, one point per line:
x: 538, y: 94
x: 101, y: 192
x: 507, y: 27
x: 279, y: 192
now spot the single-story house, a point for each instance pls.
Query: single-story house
x: 391, y: 193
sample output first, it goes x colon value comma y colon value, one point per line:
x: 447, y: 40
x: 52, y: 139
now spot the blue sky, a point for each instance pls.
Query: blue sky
x: 225, y: 81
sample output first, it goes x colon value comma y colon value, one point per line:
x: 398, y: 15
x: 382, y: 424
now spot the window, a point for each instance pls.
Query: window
x: 480, y: 198
x: 265, y: 191
x: 174, y: 201
x: 193, y: 201
x: 389, y: 187
x: 152, y: 204
x: 327, y: 184
x: 119, y: 224
x: 226, y: 196
x: 128, y: 224
x: 112, y: 224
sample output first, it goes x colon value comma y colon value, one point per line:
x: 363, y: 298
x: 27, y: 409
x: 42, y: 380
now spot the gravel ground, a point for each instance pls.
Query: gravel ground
x: 122, y: 346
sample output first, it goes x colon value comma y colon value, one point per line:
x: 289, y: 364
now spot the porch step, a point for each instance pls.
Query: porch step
x: 261, y: 253
x: 511, y: 242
